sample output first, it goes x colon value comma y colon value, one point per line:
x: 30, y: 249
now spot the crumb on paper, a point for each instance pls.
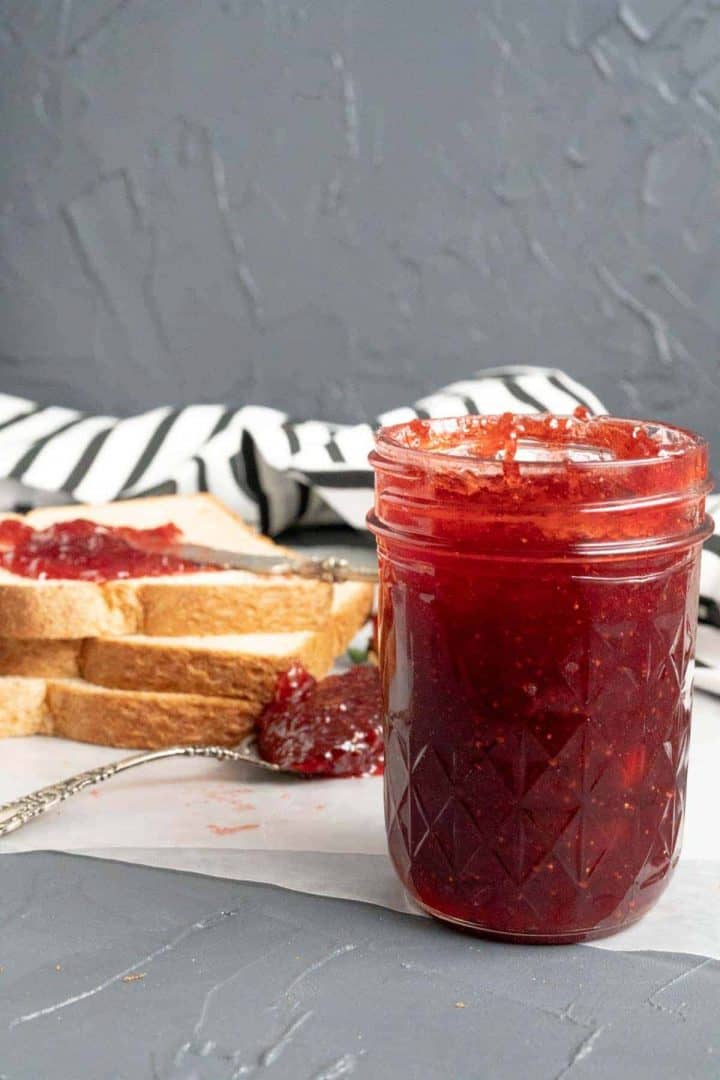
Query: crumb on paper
x: 135, y: 978
x: 95, y: 793
x: 58, y: 967
x: 229, y: 830
x: 459, y: 1004
x: 320, y: 806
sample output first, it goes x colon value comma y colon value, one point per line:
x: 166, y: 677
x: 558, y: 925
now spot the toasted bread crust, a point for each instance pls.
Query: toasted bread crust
x: 80, y: 609
x: 128, y: 665
x: 65, y: 609
x: 40, y: 659
x: 76, y: 710
x: 177, y: 609
x: 145, y: 720
x: 23, y: 707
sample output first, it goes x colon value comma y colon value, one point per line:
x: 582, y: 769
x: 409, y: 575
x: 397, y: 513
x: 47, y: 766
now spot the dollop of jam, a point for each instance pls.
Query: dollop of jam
x: 327, y: 728
x: 87, y: 551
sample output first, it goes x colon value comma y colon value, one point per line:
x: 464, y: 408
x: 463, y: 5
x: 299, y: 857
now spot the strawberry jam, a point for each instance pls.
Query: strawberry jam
x: 327, y: 728
x: 538, y: 600
x: 86, y: 551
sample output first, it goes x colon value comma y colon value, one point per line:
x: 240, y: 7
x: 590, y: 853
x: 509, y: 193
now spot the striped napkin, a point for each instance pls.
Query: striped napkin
x: 276, y: 471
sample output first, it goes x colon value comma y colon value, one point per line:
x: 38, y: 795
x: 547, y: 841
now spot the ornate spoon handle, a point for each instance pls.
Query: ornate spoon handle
x: 14, y: 815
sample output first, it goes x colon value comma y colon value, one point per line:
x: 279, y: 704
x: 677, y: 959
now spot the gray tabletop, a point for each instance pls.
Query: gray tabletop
x: 116, y: 971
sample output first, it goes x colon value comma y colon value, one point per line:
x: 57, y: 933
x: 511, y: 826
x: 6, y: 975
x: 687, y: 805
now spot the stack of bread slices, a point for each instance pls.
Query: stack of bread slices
x: 155, y: 661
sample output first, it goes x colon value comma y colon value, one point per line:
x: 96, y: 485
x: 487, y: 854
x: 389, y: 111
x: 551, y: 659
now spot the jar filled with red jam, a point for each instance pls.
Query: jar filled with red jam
x: 538, y: 602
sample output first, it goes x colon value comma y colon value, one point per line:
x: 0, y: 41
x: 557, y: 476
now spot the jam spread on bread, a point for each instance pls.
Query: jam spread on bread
x: 87, y: 551
x: 327, y: 728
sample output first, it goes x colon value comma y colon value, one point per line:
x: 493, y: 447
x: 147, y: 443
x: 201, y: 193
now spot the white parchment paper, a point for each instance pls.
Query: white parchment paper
x: 325, y: 837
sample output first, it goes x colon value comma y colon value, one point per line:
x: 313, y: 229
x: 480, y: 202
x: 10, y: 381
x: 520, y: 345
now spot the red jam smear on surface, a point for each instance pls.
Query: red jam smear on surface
x: 87, y: 551
x: 537, y: 700
x: 327, y: 728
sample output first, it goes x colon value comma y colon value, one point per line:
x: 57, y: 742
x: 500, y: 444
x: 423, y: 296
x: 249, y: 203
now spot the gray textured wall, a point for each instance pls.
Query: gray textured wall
x: 330, y: 206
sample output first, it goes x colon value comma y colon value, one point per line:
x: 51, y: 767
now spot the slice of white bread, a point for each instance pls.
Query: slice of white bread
x: 223, y: 602
x: 243, y: 666
x: 75, y: 709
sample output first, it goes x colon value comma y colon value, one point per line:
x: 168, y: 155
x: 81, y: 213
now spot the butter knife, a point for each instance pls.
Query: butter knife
x: 329, y: 568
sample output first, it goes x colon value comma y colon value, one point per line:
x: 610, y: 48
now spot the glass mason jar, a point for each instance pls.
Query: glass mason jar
x: 538, y: 604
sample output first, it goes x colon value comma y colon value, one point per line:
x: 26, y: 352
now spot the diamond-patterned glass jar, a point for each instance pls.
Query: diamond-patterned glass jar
x: 539, y: 582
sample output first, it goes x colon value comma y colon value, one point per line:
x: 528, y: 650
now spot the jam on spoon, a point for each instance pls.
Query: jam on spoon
x: 327, y: 728
x: 87, y: 551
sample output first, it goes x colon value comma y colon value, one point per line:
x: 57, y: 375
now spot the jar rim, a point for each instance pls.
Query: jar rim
x: 643, y: 481
x: 673, y: 441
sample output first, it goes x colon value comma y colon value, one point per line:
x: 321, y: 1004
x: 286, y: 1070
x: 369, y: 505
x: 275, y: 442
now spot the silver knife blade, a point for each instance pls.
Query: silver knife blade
x: 323, y: 568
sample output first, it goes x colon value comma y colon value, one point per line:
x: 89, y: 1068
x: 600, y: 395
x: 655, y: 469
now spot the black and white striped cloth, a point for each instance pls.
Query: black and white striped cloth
x: 275, y: 470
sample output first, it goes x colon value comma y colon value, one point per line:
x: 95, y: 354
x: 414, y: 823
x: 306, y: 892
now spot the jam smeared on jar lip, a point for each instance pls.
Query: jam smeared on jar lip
x: 328, y: 728
x: 509, y: 438
x: 84, y: 550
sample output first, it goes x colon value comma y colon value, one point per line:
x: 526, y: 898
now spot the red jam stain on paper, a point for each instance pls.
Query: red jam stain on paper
x: 230, y: 830
x: 327, y: 728
x: 230, y: 798
x: 87, y: 551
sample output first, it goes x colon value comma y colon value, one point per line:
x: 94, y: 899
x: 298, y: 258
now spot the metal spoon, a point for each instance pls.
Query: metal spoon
x: 14, y: 815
